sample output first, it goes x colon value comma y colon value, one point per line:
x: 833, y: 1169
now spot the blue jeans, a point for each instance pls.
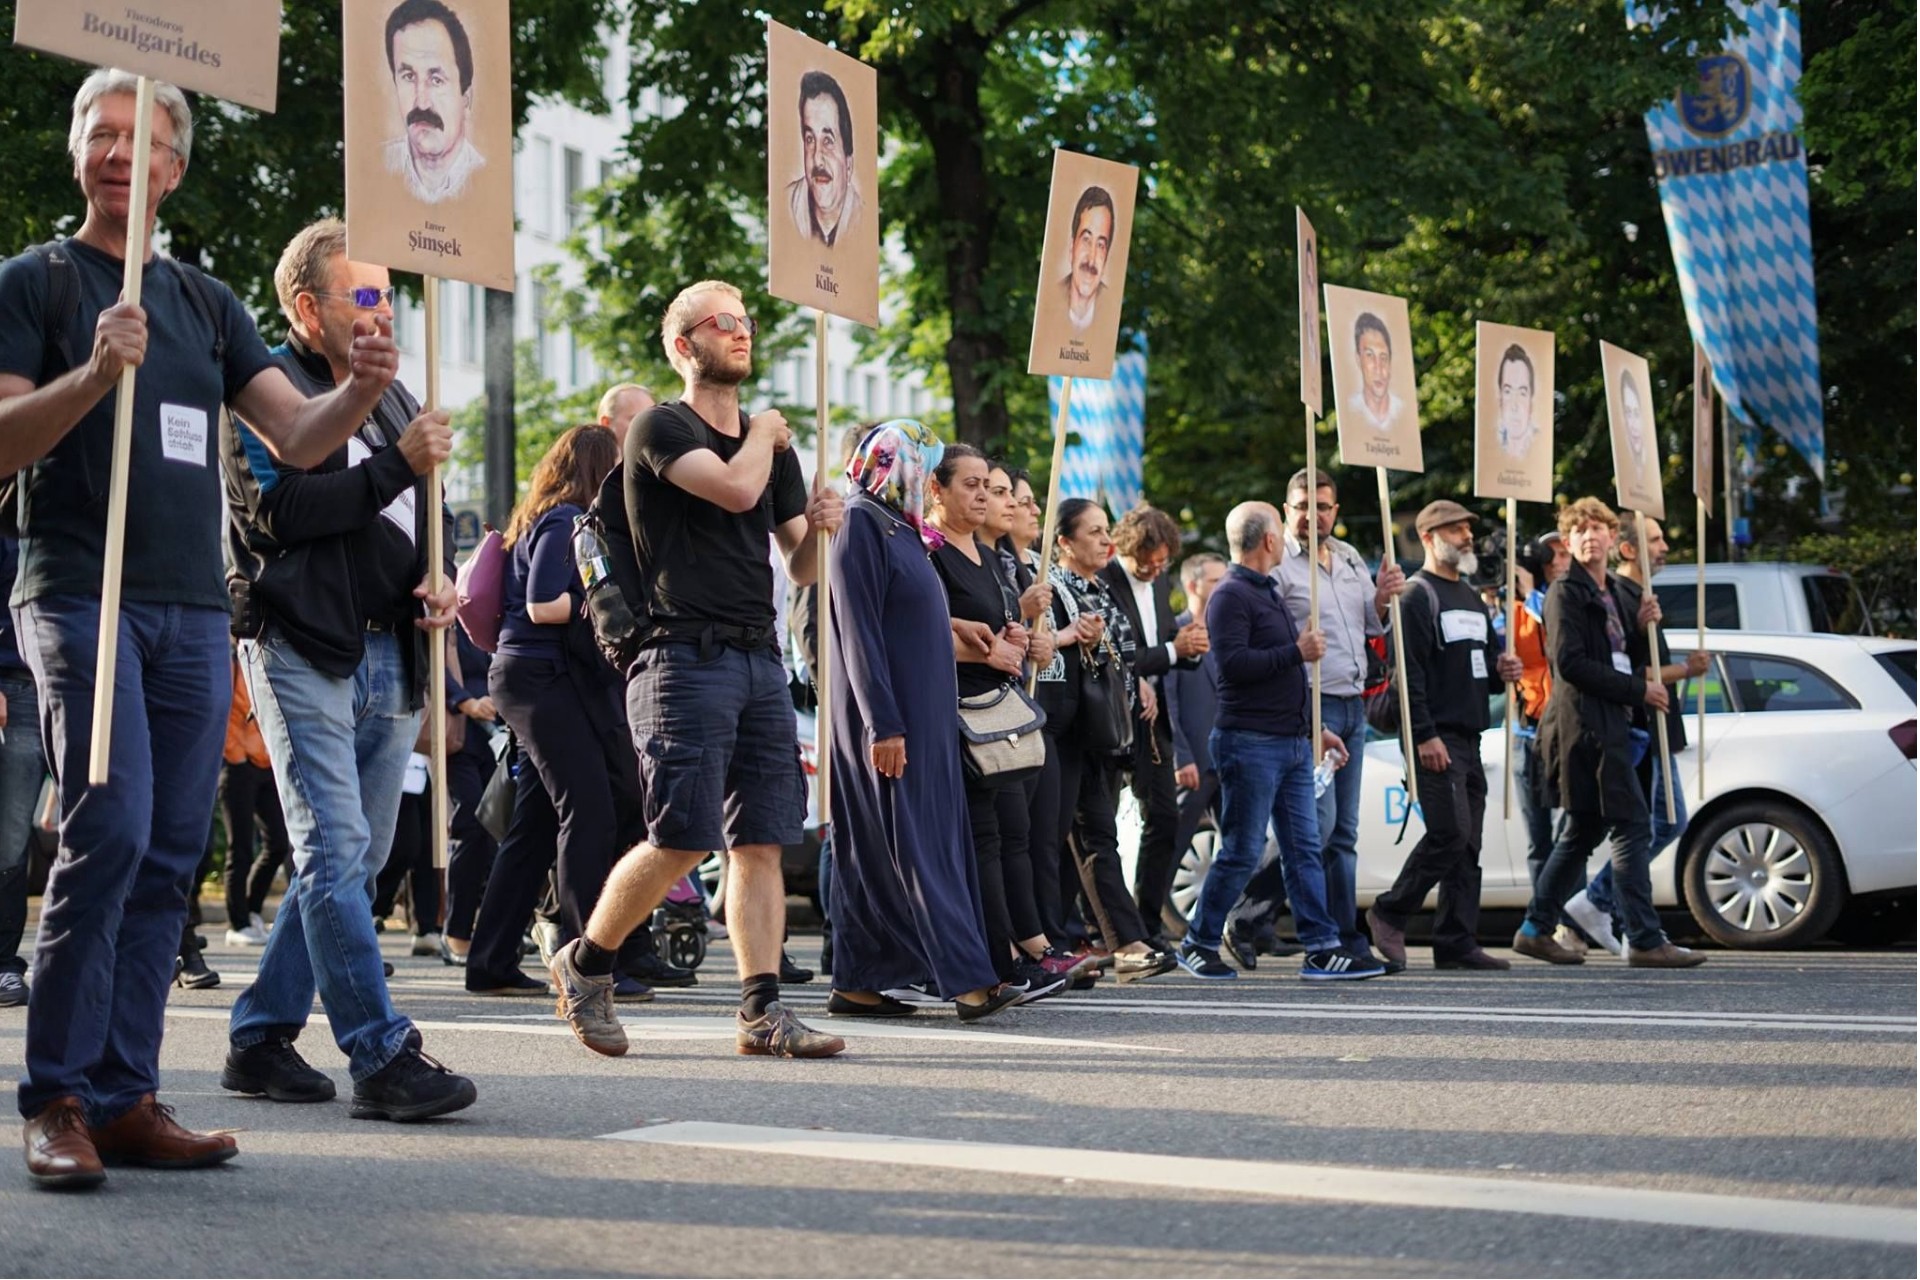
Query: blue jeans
x: 339, y: 750
x: 1600, y: 888
x: 1265, y: 778
x: 116, y: 901
x: 23, y: 767
x: 1339, y: 814
x: 1575, y: 840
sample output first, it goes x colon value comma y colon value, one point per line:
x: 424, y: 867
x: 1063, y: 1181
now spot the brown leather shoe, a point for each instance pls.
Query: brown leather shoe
x: 1391, y: 942
x: 1665, y: 956
x: 1542, y: 947
x: 149, y: 1136
x: 60, y: 1152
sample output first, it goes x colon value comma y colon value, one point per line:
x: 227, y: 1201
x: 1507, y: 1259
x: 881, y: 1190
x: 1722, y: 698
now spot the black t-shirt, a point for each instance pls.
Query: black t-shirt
x: 1450, y: 657
x: 700, y: 562
x: 175, y: 499
x: 973, y: 595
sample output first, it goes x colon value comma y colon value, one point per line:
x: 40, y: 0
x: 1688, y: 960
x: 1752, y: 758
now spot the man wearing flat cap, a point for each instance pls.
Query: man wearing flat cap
x: 1451, y: 670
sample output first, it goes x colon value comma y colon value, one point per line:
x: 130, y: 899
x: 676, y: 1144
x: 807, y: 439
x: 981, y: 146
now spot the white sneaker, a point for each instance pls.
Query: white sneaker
x: 1594, y: 923
x: 251, y: 936
x: 257, y: 923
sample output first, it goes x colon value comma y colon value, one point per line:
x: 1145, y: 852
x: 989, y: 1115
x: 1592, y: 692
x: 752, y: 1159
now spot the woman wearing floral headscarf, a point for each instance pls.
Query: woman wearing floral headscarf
x: 905, y: 894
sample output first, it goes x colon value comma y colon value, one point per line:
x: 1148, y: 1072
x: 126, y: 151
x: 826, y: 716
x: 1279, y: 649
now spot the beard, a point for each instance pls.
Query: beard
x: 1465, y: 563
x: 715, y: 366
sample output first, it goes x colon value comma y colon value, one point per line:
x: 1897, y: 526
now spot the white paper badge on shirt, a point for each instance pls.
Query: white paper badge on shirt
x: 183, y: 433
x: 400, y: 510
x: 1622, y: 665
x: 1462, y: 624
x: 1479, y: 664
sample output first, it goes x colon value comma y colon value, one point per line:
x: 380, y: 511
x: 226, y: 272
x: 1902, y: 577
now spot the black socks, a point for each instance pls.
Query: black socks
x: 595, y: 962
x: 757, y: 991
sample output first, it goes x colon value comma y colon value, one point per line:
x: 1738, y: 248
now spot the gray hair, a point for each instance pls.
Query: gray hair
x: 1248, y: 526
x: 108, y: 81
x: 1195, y: 565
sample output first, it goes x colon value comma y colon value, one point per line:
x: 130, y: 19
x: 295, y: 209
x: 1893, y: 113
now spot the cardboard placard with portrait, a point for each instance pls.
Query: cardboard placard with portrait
x: 429, y: 114
x: 1083, y: 266
x: 1308, y: 246
x: 228, y: 48
x: 1702, y: 427
x: 1636, y: 440
x: 1371, y: 342
x: 1513, y: 413
x: 823, y: 177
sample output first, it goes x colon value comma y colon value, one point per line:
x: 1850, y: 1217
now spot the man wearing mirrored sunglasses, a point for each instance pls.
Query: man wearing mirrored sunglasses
x: 708, y: 488
x: 331, y: 604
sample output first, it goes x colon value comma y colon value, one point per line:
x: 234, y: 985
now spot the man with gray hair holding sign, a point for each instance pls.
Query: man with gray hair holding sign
x: 117, y: 896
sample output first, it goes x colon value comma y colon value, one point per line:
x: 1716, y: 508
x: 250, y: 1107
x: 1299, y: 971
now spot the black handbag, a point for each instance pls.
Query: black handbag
x: 1104, y: 722
x: 496, y: 800
x: 1000, y: 734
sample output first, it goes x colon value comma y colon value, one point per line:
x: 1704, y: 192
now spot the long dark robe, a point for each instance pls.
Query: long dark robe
x: 906, y: 894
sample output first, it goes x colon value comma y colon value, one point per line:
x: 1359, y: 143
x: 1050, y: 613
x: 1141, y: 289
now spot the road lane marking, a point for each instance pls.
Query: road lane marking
x: 1858, y: 1223
x: 678, y: 1027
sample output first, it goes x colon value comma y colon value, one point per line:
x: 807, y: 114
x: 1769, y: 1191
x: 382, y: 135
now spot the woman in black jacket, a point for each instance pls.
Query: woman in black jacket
x: 1594, y: 757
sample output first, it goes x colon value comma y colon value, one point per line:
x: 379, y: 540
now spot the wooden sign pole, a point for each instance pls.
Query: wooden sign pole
x: 1399, y: 641
x: 822, y: 613
x: 1700, y: 624
x: 437, y: 646
x: 114, y: 559
x: 1653, y: 651
x: 1313, y: 570
x: 1513, y: 690
x: 1052, y: 525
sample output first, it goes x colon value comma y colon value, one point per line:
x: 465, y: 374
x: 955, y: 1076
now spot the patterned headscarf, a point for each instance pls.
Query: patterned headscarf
x: 892, y: 464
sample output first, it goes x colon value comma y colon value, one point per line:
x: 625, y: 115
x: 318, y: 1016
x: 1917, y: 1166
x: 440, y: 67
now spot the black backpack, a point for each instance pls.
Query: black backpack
x: 62, y: 305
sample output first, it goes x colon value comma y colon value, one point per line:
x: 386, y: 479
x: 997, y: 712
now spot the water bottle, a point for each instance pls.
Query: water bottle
x: 1323, y: 774
x: 590, y: 553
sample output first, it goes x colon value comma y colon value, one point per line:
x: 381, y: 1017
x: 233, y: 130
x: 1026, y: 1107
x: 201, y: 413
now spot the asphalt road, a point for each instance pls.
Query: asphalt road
x: 1753, y: 1117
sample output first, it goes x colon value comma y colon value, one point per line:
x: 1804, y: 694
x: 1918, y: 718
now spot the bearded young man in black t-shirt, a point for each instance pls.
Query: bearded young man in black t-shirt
x: 116, y: 901
x: 713, y: 724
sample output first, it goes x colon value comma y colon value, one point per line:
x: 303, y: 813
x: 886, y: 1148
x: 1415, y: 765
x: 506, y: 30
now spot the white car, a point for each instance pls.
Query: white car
x: 1809, y: 800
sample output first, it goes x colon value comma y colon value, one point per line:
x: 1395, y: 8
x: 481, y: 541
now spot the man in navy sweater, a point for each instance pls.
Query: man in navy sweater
x: 1263, y: 753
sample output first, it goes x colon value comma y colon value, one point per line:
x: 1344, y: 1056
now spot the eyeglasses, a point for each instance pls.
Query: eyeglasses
x: 103, y: 140
x: 726, y: 322
x: 366, y: 297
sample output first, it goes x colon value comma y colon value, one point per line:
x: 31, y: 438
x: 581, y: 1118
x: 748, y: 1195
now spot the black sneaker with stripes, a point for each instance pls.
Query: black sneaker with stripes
x: 1339, y: 966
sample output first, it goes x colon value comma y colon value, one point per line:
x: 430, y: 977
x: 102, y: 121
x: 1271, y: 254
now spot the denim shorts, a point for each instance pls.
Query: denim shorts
x: 718, y: 747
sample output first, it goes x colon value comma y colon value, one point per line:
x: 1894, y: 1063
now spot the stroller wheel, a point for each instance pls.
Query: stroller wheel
x: 686, y: 948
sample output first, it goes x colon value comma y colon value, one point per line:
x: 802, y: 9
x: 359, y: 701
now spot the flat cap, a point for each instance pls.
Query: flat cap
x: 1436, y: 515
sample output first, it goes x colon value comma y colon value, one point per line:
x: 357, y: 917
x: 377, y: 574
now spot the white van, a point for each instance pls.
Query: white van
x: 1797, y: 599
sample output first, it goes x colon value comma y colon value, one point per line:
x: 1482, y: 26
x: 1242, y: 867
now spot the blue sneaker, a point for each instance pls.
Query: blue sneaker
x: 1339, y: 966
x: 1203, y: 962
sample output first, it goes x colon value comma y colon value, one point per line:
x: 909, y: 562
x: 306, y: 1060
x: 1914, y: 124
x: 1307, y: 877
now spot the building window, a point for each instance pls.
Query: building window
x: 540, y: 187
x: 576, y: 185
x: 476, y: 310
x: 873, y: 395
x: 537, y: 306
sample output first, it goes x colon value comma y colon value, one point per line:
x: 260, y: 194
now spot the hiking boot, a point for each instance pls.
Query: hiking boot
x: 778, y: 1034
x: 274, y: 1069
x: 411, y: 1087
x: 1542, y: 947
x: 585, y: 1001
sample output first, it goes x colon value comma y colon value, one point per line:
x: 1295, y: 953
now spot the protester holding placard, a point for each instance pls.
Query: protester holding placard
x: 1594, y: 755
x: 707, y: 700
x: 329, y: 575
x: 116, y: 900
x: 1449, y: 679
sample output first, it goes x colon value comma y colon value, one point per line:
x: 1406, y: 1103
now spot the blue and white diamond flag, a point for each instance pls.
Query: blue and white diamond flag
x: 1733, y: 186
x: 1110, y: 418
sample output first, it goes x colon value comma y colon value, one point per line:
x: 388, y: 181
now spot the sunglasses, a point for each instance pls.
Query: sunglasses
x: 366, y: 297
x: 726, y: 322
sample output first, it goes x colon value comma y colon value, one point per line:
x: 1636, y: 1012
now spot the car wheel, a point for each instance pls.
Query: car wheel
x: 1764, y: 874
x: 1192, y: 873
